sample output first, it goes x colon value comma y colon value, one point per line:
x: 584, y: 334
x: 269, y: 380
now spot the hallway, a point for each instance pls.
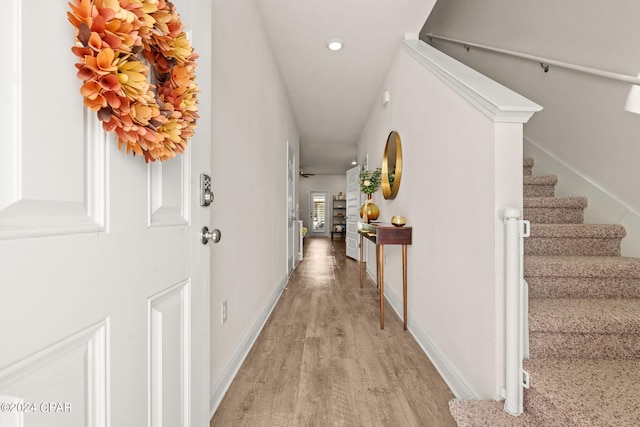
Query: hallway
x: 321, y: 359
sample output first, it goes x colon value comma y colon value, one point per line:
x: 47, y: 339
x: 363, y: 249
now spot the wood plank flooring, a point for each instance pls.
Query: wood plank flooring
x: 322, y: 360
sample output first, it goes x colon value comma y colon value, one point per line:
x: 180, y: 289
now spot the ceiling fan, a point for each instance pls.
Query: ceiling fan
x: 306, y: 175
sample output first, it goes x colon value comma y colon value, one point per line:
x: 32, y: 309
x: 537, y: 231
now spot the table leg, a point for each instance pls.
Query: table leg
x: 404, y: 283
x: 377, y: 267
x: 381, y: 278
x: 361, y: 263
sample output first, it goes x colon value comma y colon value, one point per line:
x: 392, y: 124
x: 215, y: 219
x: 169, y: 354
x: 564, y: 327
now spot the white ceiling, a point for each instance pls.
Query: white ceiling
x: 331, y: 93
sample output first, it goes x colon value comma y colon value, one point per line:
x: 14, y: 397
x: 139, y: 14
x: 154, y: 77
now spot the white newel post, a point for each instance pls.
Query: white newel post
x: 516, y: 378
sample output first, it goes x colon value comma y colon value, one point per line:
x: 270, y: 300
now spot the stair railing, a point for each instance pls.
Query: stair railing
x: 516, y: 312
x: 545, y: 63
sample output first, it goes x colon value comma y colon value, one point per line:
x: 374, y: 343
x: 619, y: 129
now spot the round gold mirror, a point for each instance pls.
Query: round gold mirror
x: 392, y: 166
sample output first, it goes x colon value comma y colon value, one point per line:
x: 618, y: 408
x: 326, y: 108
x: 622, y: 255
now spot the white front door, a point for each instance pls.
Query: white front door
x: 353, y: 213
x: 105, y: 298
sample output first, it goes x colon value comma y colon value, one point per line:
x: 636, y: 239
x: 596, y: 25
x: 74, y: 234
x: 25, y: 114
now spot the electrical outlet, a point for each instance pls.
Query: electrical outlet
x: 223, y: 312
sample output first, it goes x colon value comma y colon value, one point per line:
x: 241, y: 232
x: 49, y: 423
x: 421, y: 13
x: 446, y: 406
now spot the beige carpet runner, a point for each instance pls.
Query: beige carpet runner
x: 584, y: 320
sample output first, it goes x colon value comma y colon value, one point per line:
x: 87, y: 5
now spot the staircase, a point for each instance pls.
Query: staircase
x: 584, y: 320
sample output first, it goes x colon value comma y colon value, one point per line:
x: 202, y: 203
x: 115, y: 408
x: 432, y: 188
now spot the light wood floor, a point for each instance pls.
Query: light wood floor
x: 322, y: 360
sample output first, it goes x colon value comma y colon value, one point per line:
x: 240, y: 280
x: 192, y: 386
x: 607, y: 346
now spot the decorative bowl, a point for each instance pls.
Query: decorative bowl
x: 398, y: 221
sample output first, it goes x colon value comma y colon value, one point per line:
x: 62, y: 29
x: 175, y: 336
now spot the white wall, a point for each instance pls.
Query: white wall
x: 252, y: 122
x: 584, y: 126
x: 333, y: 184
x: 449, y: 194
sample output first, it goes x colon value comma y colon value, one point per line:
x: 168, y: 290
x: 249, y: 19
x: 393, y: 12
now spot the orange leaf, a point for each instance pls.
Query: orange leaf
x: 113, y: 99
x: 95, y: 41
x: 90, y: 89
x: 98, y: 24
x: 84, y: 72
x: 104, y: 60
x: 95, y: 104
x: 110, y: 82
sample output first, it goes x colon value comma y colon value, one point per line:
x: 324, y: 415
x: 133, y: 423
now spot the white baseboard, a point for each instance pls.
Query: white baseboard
x: 370, y: 272
x: 223, y: 382
x: 452, y: 378
x: 603, y: 207
x: 460, y: 388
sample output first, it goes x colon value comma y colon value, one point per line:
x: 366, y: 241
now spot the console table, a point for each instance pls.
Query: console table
x: 385, y: 234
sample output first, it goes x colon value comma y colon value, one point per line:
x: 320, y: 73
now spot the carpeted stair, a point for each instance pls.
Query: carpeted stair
x: 584, y: 320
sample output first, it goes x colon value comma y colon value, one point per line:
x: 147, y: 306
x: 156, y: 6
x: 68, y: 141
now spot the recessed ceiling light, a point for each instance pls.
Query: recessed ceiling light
x: 354, y: 163
x: 335, y: 44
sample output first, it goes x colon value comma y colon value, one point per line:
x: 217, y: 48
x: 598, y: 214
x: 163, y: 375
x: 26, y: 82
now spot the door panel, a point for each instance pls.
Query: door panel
x: 353, y: 213
x: 104, y: 306
x: 72, y: 370
x: 169, y: 350
x: 44, y: 131
x: 169, y: 188
x: 59, y: 201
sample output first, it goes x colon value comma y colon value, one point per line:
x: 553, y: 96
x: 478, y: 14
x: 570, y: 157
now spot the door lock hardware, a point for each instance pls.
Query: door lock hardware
x: 206, y: 195
x: 214, y: 235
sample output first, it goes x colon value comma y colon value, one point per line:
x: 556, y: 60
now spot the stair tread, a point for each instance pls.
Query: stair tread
x: 581, y: 266
x: 585, y: 315
x: 599, y: 382
x: 583, y: 287
x: 553, y: 210
x: 540, y: 179
x: 589, y: 391
x: 555, y: 202
x: 601, y: 231
x: 583, y: 392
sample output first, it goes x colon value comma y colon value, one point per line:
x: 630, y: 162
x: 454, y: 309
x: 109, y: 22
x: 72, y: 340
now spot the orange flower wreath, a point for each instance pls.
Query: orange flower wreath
x: 151, y: 121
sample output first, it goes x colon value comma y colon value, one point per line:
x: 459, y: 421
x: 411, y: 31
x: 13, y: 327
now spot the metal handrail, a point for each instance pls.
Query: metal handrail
x: 544, y: 62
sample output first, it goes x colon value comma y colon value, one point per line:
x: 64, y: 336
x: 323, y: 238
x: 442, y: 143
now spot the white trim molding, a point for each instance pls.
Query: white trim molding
x: 497, y: 102
x: 223, y: 382
x: 456, y: 382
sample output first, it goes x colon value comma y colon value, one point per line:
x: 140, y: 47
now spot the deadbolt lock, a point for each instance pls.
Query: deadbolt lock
x: 206, y: 195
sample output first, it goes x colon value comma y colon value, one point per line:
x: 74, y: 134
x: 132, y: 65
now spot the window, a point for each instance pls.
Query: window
x: 318, y: 211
